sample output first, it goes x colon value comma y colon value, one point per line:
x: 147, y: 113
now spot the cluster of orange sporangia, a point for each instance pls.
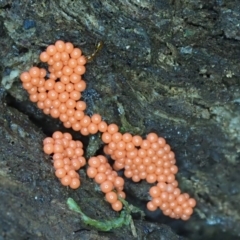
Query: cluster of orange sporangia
x: 150, y: 159
x: 110, y: 183
x: 67, y: 157
x: 58, y: 93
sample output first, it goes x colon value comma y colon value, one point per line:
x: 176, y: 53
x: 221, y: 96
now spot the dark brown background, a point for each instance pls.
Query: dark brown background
x: 166, y: 66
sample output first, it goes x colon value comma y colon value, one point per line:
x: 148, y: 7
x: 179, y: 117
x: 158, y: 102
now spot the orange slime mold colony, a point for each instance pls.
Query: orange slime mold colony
x: 58, y: 92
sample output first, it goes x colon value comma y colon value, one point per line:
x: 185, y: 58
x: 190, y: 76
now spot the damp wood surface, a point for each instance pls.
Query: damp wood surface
x: 171, y: 67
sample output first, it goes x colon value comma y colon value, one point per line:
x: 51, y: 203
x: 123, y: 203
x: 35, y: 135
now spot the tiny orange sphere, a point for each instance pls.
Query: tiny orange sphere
x: 46, y: 111
x: 151, y: 178
x: 92, y: 128
x: 60, y: 173
x: 62, y: 107
x: 161, y: 142
x: 118, y: 182
x: 72, y: 144
x: 106, y: 186
x: 34, y: 72
x: 68, y: 136
x: 64, y: 56
x: 102, y: 168
x: 180, y: 199
x: 121, y: 194
x: 58, y: 148
x: 100, y: 178
x: 69, y: 152
x: 57, y: 58
x: 75, y: 95
x: 102, y: 126
x: 106, y: 137
x: 80, y: 86
x: 67, y: 71
x: 75, y: 183
x: 25, y: 77
x: 58, y: 164
x: 60, y: 46
x: 66, y: 180
x: 157, y: 201
x: 50, y: 62
x: 116, y: 137
x: 70, y: 103
x: 48, y: 140
x: 132, y: 154
x: 127, y: 137
x: 151, y: 206
x: 57, y: 156
x: 42, y: 96
x: 48, y: 148
x: 49, y: 84
x: 68, y: 47
x: 137, y: 140
x: 185, y: 217
x: 41, y: 80
x: 117, y: 206
x: 27, y: 85
x: 80, y: 69
x: 152, y: 137
x: 78, y: 115
x: 75, y: 78
x: 76, y: 164
x: 65, y: 79
x: 76, y: 53
x: 81, y: 105
x: 191, y: 202
x: 178, y: 210
x: 51, y: 50
x: 129, y: 146
x: 57, y: 135
x: 111, y: 197
x: 54, y: 113
x: 112, y: 128
x: 78, y: 151
x: 82, y: 60
x: 67, y: 161
x: 85, y: 121
x: 94, y: 162
x: 44, y: 56
x: 136, y: 178
x: 63, y: 97
x: 72, y: 63
x: 82, y: 160
x: 145, y: 144
x: 33, y: 97
x: 91, y: 172
x: 52, y: 94
x: 32, y: 90
x: 57, y: 66
x: 154, y: 192
x: 96, y: 118
x: 63, y: 117
x: 73, y: 174
x: 70, y: 112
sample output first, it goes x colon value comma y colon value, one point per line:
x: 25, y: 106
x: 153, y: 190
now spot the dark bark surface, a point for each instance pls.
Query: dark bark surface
x: 171, y: 67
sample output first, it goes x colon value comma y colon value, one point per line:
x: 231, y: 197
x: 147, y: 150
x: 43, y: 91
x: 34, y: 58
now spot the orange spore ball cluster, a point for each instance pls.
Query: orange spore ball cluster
x: 67, y: 157
x: 150, y: 159
x: 100, y: 170
x: 58, y: 92
x: 171, y: 201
